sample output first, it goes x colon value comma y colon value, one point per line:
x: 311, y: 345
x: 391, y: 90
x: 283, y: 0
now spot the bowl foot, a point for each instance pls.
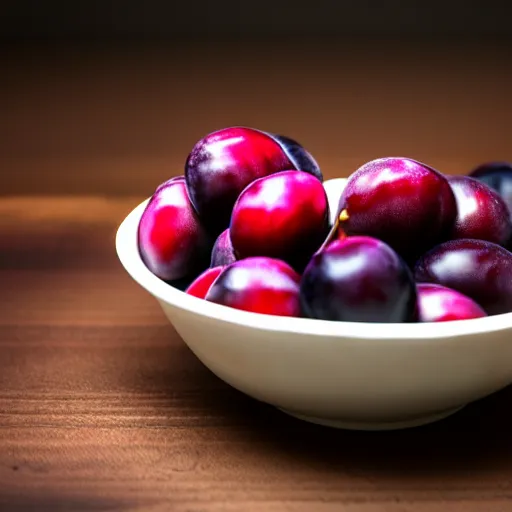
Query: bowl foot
x: 391, y: 425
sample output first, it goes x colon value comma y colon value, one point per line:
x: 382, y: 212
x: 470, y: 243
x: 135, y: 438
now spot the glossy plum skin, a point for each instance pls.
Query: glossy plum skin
x: 408, y: 205
x: 481, y: 212
x: 259, y: 285
x: 200, y: 286
x: 359, y: 279
x: 169, y: 181
x: 284, y: 216
x: 300, y: 157
x: 222, y: 252
x: 480, y: 270
x: 498, y: 176
x: 222, y: 164
x: 436, y: 303
x: 172, y: 243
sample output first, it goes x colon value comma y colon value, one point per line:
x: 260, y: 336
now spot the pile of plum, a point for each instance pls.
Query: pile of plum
x: 248, y: 226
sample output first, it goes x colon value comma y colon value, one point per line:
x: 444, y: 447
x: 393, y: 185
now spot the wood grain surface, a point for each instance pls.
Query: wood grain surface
x: 102, y: 406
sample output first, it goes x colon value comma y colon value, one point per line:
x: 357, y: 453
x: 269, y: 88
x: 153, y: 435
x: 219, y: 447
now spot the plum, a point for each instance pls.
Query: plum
x: 171, y: 240
x: 479, y: 269
x: 400, y: 201
x: 224, y: 162
x: 358, y: 279
x: 260, y: 285
x: 168, y: 182
x: 437, y: 303
x: 481, y: 212
x: 222, y: 252
x: 298, y: 155
x: 284, y: 216
x: 200, y: 286
x: 498, y: 176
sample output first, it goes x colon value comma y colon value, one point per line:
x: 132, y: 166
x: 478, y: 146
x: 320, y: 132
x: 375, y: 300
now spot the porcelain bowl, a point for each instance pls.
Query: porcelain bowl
x: 340, y: 374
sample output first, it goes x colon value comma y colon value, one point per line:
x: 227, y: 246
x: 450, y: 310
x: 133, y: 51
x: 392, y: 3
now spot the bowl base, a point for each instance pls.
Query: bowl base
x: 369, y: 426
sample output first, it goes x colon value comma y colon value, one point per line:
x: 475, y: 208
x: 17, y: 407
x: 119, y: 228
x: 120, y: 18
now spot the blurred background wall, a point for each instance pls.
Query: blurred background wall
x: 108, y: 97
x: 161, y: 19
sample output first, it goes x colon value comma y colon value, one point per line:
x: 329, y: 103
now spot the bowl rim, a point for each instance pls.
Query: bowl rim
x: 129, y: 256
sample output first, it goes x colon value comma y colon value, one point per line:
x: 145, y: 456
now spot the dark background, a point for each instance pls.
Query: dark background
x: 150, y: 20
x: 108, y: 97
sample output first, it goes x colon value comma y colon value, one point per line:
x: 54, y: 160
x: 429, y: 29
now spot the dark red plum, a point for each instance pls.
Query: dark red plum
x: 222, y: 252
x: 172, y: 243
x: 408, y: 205
x: 498, y: 176
x: 298, y: 155
x: 437, y: 303
x: 284, y: 216
x: 200, y: 286
x: 481, y: 212
x: 260, y: 285
x: 223, y: 163
x: 478, y: 269
x: 168, y: 182
x: 358, y: 279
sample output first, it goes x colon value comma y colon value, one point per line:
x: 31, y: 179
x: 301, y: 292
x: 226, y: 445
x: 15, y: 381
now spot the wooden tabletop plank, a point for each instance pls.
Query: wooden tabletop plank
x: 103, y: 407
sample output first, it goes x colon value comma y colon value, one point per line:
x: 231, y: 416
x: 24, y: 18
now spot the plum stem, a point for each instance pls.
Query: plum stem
x: 343, y: 216
x: 334, y: 232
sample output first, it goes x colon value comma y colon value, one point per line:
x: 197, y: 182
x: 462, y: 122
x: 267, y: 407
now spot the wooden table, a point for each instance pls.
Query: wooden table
x: 102, y: 406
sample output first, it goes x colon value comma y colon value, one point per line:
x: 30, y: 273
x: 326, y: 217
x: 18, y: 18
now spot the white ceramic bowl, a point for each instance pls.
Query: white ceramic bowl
x: 341, y: 374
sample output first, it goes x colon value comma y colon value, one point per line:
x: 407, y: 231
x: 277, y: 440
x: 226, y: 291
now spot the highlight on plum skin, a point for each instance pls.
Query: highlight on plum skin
x: 400, y: 201
x: 223, y: 252
x: 223, y: 163
x: 171, y: 240
x: 284, y: 215
x: 358, y: 279
x: 200, y: 286
x: 436, y: 303
x: 259, y: 285
x: 481, y: 212
x: 478, y: 269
